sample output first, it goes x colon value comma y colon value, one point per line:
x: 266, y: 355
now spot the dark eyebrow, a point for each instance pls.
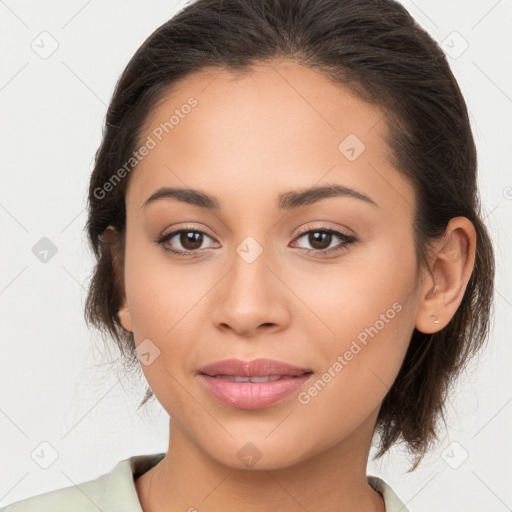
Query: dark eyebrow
x: 286, y: 201
x: 185, y: 195
x: 296, y: 199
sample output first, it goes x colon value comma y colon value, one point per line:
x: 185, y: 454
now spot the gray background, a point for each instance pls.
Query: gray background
x: 56, y: 385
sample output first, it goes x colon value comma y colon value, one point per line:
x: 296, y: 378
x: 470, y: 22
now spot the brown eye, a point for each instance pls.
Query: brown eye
x: 184, y: 241
x: 321, y: 239
x: 191, y: 240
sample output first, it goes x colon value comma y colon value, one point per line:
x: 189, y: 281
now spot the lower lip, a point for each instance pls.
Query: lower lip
x: 252, y: 395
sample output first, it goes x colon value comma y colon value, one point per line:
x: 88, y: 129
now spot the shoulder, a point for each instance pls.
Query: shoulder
x: 391, y: 500
x: 77, y: 498
x: 112, y: 491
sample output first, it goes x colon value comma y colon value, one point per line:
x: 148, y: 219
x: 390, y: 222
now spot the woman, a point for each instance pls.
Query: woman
x: 285, y: 215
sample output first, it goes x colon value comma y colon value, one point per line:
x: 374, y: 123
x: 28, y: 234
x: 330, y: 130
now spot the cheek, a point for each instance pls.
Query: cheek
x: 371, y: 286
x: 161, y: 299
x: 367, y: 311
x: 362, y: 364
x: 156, y: 291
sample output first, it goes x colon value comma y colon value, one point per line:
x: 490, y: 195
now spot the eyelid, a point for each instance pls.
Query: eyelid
x: 324, y: 226
x: 341, y: 233
x: 304, y: 229
x: 186, y: 227
x: 169, y: 234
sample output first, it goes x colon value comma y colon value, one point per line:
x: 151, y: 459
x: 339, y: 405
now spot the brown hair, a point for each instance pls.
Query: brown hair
x: 377, y: 49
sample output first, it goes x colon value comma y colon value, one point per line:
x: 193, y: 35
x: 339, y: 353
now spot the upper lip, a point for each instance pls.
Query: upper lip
x: 254, y: 368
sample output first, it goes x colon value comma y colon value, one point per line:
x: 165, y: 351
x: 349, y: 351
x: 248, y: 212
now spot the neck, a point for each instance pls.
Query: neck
x: 333, y: 480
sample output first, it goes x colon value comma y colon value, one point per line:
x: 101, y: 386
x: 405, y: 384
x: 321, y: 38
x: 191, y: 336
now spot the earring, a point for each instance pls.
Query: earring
x: 436, y: 321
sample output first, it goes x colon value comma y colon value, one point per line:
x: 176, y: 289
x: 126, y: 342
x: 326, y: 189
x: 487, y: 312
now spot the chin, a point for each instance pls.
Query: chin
x: 256, y: 456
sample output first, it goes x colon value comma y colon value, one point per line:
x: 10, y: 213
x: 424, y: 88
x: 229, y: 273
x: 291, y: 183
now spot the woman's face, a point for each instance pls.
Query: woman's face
x: 264, y: 281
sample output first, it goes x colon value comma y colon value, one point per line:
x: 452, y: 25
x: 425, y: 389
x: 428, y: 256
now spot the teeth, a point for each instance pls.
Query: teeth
x: 268, y: 378
x: 238, y: 378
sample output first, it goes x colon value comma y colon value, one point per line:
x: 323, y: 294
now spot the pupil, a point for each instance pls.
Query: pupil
x: 314, y: 239
x: 191, y: 240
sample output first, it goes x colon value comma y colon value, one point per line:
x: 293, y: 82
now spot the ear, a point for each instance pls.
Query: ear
x: 111, y: 237
x: 125, y: 316
x: 452, y: 264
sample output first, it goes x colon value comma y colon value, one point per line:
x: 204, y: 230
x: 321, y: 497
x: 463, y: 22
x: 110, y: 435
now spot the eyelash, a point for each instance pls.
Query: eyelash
x: 346, y: 241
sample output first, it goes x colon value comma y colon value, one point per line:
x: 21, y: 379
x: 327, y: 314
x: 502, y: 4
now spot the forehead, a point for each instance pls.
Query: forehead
x: 280, y: 124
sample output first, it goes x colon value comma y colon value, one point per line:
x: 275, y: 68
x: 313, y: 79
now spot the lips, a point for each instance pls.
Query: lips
x: 252, y: 384
x: 237, y: 370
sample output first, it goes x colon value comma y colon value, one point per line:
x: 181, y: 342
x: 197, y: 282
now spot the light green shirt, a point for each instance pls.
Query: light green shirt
x: 115, y: 492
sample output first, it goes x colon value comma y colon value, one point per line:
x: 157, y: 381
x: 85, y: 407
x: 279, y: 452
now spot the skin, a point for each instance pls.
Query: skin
x: 249, y: 139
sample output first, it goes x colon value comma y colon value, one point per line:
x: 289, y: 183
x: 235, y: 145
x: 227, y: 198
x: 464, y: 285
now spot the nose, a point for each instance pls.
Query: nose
x: 251, y: 298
